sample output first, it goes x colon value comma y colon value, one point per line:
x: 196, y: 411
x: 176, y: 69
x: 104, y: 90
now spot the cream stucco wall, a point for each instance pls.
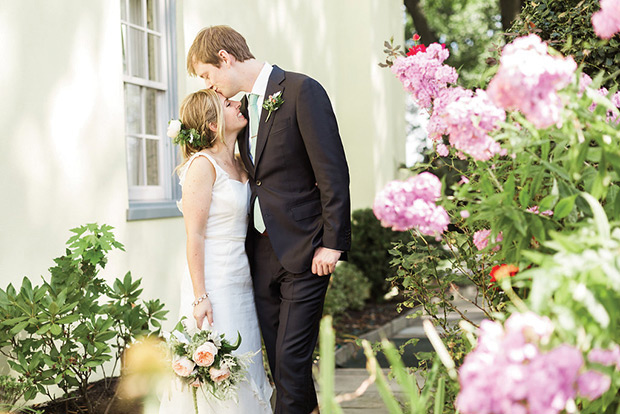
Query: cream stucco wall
x: 62, y: 161
x: 339, y: 43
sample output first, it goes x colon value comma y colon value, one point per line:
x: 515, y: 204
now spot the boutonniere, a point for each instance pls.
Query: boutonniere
x: 272, y: 103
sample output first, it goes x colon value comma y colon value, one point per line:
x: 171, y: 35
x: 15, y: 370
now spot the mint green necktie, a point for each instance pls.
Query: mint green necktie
x: 259, y: 224
x: 253, y: 100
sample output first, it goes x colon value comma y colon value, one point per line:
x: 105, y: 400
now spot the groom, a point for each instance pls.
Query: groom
x: 300, y: 222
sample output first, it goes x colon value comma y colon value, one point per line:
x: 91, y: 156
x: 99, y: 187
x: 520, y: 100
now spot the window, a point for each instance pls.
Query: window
x: 147, y: 29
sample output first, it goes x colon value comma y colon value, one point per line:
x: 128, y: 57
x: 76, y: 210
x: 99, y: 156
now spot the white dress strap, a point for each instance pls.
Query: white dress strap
x: 185, y: 167
x: 191, y: 159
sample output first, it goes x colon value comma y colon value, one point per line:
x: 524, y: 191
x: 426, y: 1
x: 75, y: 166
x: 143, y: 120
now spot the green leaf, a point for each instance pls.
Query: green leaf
x: 524, y: 196
x: 600, y: 218
x: 564, y: 207
x: 19, y: 327
x: 68, y: 319
x: 55, y: 329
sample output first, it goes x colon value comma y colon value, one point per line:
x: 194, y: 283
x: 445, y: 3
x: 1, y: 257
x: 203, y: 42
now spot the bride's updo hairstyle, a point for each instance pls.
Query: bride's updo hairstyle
x: 199, y: 110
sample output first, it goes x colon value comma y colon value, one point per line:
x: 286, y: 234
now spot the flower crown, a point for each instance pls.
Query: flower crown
x: 185, y: 136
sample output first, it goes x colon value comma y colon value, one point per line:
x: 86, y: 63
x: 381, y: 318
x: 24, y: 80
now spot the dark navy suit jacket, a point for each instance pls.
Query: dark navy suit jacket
x: 300, y: 173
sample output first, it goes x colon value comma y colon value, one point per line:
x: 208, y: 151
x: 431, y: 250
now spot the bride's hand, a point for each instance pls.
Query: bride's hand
x: 202, y: 310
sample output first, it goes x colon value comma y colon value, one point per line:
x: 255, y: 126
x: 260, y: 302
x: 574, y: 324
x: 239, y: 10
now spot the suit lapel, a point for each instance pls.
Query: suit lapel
x: 264, y: 127
x: 243, y: 139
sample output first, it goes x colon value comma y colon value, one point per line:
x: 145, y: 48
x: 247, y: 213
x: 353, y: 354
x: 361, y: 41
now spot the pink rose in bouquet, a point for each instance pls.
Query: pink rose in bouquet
x: 219, y: 375
x: 205, y: 354
x: 183, y: 366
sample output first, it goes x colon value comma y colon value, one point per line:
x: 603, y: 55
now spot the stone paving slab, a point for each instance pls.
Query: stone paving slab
x: 348, y: 380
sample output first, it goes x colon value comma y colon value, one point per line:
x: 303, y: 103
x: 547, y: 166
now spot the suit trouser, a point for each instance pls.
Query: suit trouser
x: 289, y: 308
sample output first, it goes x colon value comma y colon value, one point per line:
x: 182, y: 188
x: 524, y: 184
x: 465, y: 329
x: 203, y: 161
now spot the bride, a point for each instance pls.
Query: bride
x: 218, y: 294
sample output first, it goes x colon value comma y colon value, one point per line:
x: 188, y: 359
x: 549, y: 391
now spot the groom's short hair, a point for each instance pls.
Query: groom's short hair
x: 210, y: 40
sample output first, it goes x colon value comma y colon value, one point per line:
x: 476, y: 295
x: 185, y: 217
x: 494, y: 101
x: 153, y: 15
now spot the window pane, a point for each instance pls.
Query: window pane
x: 123, y: 9
x: 124, y: 43
x: 152, y: 15
x: 135, y: 12
x: 133, y: 109
x: 137, y: 52
x: 154, y: 51
x: 135, y: 166
x: 150, y: 109
x: 152, y: 162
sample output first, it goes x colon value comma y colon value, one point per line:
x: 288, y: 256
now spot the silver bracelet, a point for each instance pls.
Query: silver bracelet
x: 200, y: 299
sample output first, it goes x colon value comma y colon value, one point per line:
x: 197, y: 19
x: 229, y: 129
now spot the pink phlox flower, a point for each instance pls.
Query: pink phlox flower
x: 437, y: 126
x: 481, y: 239
x: 592, y: 384
x: 404, y: 205
x: 469, y: 120
x: 513, y: 374
x: 463, y: 180
x: 606, y: 22
x: 584, y: 81
x: 612, y: 116
x: 606, y: 357
x: 528, y: 80
x: 442, y: 150
x: 464, y: 214
x: 534, y: 209
x: 424, y: 75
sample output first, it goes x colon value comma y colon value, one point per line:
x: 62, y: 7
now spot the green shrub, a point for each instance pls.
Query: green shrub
x: 370, y: 243
x: 62, y: 331
x: 567, y: 25
x: 11, y: 390
x: 348, y: 289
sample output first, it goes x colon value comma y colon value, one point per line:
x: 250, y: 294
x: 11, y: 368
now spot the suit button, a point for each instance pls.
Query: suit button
x: 258, y: 183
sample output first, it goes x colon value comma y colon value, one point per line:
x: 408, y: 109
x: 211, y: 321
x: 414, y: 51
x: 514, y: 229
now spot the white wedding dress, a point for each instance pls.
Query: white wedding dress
x: 229, y: 285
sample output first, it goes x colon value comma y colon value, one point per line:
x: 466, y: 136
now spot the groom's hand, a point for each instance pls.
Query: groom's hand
x: 324, y: 261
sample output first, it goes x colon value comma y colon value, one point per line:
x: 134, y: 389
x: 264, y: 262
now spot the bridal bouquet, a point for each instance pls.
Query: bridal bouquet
x: 204, y: 361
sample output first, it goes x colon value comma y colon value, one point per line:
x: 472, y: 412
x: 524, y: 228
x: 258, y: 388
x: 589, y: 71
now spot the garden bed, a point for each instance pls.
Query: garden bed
x: 103, y: 399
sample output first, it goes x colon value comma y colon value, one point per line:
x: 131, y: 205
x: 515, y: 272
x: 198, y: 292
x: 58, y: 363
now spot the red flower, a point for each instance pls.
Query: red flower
x: 416, y: 37
x: 501, y: 271
x: 416, y: 49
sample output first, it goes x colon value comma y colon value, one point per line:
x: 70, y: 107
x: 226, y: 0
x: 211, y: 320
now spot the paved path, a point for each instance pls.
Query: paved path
x: 349, y: 379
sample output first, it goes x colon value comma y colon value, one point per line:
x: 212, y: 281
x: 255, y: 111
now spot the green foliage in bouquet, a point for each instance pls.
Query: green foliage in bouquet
x: 62, y: 331
x: 348, y: 289
x: 567, y: 25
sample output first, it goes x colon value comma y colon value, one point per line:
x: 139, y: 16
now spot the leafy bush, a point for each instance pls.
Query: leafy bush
x: 348, y: 289
x: 370, y: 244
x: 11, y: 390
x: 567, y: 25
x: 62, y: 331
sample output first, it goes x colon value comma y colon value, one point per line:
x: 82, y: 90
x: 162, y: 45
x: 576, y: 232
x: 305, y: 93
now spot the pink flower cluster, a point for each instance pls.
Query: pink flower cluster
x: 481, y: 239
x: 606, y: 22
x: 436, y: 126
x: 606, y: 357
x: 534, y: 209
x: 469, y: 120
x: 612, y: 116
x: 508, y: 372
x: 424, y: 74
x: 528, y: 79
x: 404, y: 205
